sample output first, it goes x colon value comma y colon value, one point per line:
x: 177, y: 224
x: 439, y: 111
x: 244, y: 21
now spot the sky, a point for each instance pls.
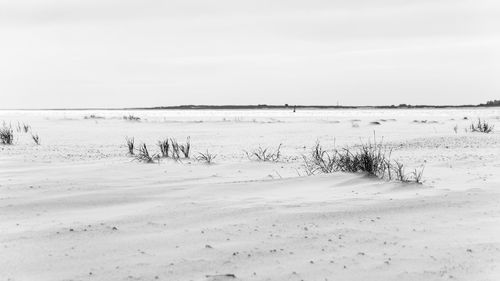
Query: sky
x: 135, y: 53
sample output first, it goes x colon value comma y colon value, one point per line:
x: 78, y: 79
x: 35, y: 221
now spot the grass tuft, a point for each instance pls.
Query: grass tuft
x: 176, y: 151
x: 320, y: 162
x: 186, y: 149
x: 417, y: 175
x: 481, y: 127
x: 371, y: 158
x: 131, y: 117
x: 144, y: 156
x: 6, y: 135
x: 265, y: 154
x: 164, y: 148
x: 93, y: 116
x: 130, y: 145
x: 26, y: 128
x: 206, y: 157
x: 36, y: 138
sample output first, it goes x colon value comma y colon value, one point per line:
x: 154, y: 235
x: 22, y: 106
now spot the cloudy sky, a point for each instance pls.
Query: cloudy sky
x: 124, y: 53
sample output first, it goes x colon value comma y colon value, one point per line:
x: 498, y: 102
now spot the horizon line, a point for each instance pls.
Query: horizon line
x: 261, y: 106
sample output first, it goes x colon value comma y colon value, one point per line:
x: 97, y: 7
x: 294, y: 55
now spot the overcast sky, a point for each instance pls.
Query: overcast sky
x: 125, y: 53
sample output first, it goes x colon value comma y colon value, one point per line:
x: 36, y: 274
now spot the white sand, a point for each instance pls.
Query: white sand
x: 77, y: 208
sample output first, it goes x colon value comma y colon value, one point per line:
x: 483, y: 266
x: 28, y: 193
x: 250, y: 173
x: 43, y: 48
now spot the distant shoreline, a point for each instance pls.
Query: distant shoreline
x: 265, y: 106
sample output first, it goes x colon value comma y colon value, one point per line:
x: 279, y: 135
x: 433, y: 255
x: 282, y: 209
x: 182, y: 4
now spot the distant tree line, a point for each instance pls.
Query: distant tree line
x: 491, y: 103
x: 295, y: 107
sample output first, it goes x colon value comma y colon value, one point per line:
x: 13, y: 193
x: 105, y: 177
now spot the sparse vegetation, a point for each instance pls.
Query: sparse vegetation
x: 93, y: 116
x: 206, y: 157
x: 399, y: 172
x: 371, y: 158
x: 321, y: 161
x: 482, y: 127
x: 36, y: 138
x: 417, y: 175
x: 26, y: 128
x: 265, y: 154
x: 130, y: 145
x: 144, y: 156
x: 164, y: 148
x: 170, y: 148
x: 186, y: 148
x: 6, y: 135
x: 176, y: 151
x: 131, y: 117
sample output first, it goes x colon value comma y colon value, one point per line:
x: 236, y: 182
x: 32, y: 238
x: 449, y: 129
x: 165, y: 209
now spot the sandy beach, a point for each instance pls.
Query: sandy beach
x: 77, y: 207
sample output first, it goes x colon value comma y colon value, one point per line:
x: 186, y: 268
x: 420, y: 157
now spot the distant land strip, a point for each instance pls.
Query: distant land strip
x: 494, y: 103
